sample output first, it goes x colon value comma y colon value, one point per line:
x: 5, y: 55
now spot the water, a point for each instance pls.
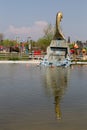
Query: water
x: 40, y: 98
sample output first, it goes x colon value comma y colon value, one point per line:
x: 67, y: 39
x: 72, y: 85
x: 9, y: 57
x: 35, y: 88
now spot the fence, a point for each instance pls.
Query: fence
x: 19, y: 56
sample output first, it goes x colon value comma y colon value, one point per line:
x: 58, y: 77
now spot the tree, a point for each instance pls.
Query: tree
x: 71, y: 46
x: 42, y: 43
x: 1, y: 37
x: 7, y: 43
x: 49, y: 32
x: 45, y: 41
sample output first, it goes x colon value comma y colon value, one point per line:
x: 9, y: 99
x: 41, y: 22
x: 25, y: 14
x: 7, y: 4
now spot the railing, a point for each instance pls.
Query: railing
x: 19, y: 56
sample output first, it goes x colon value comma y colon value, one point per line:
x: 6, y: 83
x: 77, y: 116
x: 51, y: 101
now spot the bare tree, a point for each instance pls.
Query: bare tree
x: 1, y: 37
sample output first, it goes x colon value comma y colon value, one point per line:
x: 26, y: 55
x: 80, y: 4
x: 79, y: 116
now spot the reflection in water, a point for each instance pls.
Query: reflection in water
x: 57, y: 107
x: 56, y: 83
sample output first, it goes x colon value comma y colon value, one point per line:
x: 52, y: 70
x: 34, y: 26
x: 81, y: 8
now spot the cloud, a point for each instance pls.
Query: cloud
x: 35, y: 31
x: 21, y: 30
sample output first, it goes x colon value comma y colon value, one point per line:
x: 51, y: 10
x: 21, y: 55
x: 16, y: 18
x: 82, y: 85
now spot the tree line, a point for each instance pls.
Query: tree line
x: 41, y: 43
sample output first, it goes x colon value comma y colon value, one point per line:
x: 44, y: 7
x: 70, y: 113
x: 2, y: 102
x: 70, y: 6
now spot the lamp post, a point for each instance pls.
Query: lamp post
x: 19, y: 46
x: 29, y: 43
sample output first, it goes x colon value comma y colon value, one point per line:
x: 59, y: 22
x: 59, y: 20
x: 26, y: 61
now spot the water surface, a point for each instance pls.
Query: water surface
x: 40, y: 98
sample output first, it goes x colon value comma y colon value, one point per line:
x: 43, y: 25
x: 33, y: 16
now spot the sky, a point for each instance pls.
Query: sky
x: 28, y: 18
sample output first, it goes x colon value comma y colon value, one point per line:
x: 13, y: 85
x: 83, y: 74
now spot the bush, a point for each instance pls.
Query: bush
x: 14, y: 58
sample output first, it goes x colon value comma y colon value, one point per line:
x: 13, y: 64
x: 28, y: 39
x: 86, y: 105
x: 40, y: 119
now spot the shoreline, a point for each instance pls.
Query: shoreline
x: 79, y: 63
x: 35, y: 62
x: 20, y: 62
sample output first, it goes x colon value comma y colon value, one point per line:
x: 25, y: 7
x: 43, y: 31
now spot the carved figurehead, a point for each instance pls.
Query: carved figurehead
x: 58, y: 34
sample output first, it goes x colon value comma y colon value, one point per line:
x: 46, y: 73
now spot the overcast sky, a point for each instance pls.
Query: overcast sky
x: 28, y: 18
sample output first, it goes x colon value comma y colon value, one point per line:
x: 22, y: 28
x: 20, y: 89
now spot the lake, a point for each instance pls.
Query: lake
x: 43, y: 98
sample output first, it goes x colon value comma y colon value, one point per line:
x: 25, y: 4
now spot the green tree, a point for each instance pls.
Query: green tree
x: 71, y: 46
x: 42, y: 43
x: 7, y: 43
x: 45, y: 41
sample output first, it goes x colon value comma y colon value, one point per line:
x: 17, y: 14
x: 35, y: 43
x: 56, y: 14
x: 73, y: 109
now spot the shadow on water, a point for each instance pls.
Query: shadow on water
x: 56, y: 84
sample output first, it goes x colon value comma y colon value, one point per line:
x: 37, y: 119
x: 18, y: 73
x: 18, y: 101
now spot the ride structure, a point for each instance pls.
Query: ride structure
x: 58, y: 53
